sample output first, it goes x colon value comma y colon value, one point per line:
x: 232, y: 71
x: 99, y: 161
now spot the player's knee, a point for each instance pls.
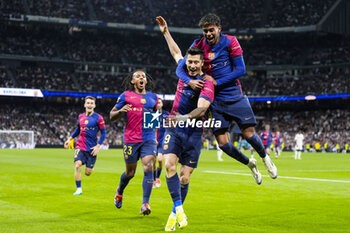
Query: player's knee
x: 184, y: 179
x: 78, y: 166
x: 248, y: 132
x: 169, y: 166
x: 130, y: 174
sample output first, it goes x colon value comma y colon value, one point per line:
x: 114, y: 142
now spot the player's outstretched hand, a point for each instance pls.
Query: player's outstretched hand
x: 196, y: 85
x: 126, y: 108
x: 210, y: 78
x: 95, y: 150
x: 162, y: 24
x: 66, y: 144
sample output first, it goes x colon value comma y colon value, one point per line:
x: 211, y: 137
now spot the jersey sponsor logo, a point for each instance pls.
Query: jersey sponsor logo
x: 211, y: 56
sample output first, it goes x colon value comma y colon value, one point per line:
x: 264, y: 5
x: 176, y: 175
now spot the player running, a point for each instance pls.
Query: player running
x: 278, y: 143
x: 160, y: 137
x: 224, y: 61
x: 87, y: 148
x: 266, y: 137
x: 138, y: 142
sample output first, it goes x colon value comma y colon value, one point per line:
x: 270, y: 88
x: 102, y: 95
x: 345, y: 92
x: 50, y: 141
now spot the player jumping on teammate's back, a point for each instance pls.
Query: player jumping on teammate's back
x: 87, y: 148
x: 138, y: 142
x: 224, y: 61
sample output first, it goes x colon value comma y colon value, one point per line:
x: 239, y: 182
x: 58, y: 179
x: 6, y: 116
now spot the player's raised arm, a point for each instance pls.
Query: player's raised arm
x: 173, y: 47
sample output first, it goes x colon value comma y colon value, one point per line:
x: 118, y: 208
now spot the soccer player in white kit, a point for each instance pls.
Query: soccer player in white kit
x: 299, y: 138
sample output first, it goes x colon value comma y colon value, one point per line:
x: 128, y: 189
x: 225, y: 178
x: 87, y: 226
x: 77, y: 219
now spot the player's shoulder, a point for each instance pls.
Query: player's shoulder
x: 98, y: 115
x: 81, y: 115
x: 152, y: 94
x: 199, y: 43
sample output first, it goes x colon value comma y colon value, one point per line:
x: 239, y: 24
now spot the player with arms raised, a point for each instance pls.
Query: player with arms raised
x: 184, y: 144
x: 224, y: 61
x: 139, y: 142
x: 87, y: 148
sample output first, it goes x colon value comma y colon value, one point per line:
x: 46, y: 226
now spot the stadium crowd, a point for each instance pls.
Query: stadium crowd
x: 234, y: 13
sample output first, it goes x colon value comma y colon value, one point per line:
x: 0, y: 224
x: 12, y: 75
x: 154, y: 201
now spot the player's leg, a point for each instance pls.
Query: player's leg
x: 249, y: 134
x: 131, y: 156
x: 154, y: 174
x: 90, y: 163
x: 174, y: 187
x: 222, y: 136
x: 223, y: 139
x: 148, y: 152
x: 147, y: 183
x: 159, y: 169
x: 123, y: 182
x: 77, y: 176
x: 185, y: 175
x: 219, y: 152
x: 296, y: 153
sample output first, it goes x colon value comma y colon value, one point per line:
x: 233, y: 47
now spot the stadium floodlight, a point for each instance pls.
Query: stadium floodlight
x: 17, y: 139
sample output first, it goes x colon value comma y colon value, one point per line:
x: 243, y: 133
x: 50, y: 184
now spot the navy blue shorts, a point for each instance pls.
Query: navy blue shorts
x: 160, y: 147
x: 239, y: 111
x: 85, y: 157
x: 268, y: 146
x: 133, y: 151
x: 185, y: 144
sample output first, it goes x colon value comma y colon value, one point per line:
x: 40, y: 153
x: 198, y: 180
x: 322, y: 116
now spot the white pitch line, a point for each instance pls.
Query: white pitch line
x: 280, y: 177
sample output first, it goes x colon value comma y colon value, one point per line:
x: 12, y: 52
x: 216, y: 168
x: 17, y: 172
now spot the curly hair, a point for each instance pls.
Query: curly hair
x: 129, y: 86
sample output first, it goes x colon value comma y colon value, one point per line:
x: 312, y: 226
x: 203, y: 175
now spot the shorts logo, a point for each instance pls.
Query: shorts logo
x: 151, y: 120
x: 192, y: 162
x: 165, y: 147
x: 247, y: 118
x: 143, y: 101
x: 126, y: 156
x: 211, y: 56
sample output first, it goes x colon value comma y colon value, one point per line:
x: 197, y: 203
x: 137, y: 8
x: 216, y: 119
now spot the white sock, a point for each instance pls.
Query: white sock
x: 296, y: 155
x: 179, y: 209
x: 219, y: 154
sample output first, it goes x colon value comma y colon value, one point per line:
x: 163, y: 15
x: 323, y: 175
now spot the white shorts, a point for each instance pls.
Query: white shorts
x: 299, y: 147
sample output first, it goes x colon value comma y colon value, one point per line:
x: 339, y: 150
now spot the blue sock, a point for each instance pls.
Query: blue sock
x: 78, y: 183
x: 147, y: 184
x: 235, y: 153
x: 257, y: 144
x: 124, y: 181
x: 174, y: 189
x: 184, y: 191
x: 154, y: 175
x: 159, y: 171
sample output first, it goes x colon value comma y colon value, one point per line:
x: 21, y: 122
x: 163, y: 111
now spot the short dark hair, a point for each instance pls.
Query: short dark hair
x: 209, y: 19
x: 195, y: 51
x: 90, y: 98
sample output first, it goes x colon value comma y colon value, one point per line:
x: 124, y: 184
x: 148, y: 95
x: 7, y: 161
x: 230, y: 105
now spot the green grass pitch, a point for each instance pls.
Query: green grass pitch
x: 37, y: 185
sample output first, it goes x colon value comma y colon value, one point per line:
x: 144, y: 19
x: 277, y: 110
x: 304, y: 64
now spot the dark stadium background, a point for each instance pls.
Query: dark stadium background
x: 292, y: 48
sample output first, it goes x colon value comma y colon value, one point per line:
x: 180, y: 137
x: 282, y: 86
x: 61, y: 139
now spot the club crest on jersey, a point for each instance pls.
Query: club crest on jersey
x: 86, y: 122
x: 143, y: 101
x: 211, y: 56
